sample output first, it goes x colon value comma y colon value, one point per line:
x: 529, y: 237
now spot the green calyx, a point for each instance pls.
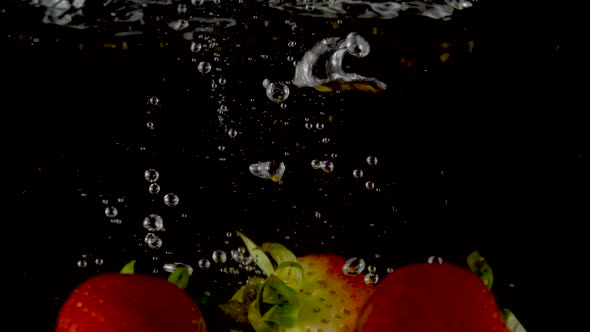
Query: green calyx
x: 479, y: 265
x: 129, y: 268
x: 270, y: 304
x: 179, y: 277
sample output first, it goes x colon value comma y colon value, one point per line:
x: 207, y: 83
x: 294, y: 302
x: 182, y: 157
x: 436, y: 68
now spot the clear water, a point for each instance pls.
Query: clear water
x: 164, y: 126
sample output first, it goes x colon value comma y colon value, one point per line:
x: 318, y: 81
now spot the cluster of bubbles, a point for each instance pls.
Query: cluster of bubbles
x: 154, y: 223
x: 355, y: 266
x: 268, y: 170
x: 325, y: 165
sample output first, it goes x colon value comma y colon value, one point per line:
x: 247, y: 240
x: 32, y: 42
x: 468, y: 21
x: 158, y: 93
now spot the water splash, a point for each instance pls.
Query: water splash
x: 436, y: 9
x: 337, y: 78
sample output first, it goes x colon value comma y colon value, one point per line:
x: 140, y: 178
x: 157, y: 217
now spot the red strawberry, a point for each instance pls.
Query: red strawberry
x: 114, y: 302
x: 301, y: 294
x: 431, y: 297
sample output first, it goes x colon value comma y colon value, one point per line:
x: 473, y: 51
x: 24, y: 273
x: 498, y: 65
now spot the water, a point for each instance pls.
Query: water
x: 189, y: 108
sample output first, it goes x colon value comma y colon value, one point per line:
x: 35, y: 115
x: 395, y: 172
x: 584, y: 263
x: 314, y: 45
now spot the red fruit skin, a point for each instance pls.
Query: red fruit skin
x: 431, y: 298
x: 114, y: 302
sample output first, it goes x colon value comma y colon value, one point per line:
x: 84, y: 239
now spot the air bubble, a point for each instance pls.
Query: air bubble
x: 153, y: 241
x: 353, y: 266
x: 371, y: 278
x: 171, y: 199
x: 111, y: 211
x: 237, y: 256
x: 277, y: 92
x: 435, y: 259
x: 82, y: 263
x: 232, y: 133
x: 372, y: 161
x: 151, y: 175
x: 204, y: 67
x: 153, y: 223
x: 154, y: 188
x: 316, y: 164
x: 370, y: 185
x: 204, y: 263
x: 196, y: 47
x: 219, y: 256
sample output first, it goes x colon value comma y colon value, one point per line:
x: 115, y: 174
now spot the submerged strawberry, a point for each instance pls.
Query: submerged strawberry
x: 117, y: 302
x: 330, y: 299
x: 431, y: 297
x: 309, y: 293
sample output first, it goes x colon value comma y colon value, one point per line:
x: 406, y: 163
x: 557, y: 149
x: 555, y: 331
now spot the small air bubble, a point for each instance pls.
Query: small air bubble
x: 204, y: 263
x: 277, y: 92
x: 153, y: 223
x: 171, y: 199
x: 219, y: 256
x: 154, y: 188
x: 111, y: 211
x: 151, y: 175
x: 353, y: 266
x: 153, y: 241
x: 196, y: 47
x: 372, y: 161
x: 433, y: 259
x: 204, y: 67
x: 371, y: 278
x: 82, y: 263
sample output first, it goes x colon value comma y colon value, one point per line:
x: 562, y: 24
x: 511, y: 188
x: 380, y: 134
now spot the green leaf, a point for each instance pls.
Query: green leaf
x: 275, y: 291
x: 256, y: 320
x: 279, y: 252
x: 180, y: 277
x: 278, y: 304
x: 129, y: 268
x: 260, y: 257
x: 281, y: 316
x: 479, y: 265
x: 239, y: 295
x: 512, y: 322
x: 291, y: 273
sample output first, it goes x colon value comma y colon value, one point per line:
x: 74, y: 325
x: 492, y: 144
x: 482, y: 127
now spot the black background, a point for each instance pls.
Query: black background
x: 505, y: 124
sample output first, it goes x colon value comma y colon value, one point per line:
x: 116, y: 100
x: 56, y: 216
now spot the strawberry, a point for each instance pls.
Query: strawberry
x: 300, y: 294
x: 431, y: 297
x: 330, y: 299
x: 117, y: 302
